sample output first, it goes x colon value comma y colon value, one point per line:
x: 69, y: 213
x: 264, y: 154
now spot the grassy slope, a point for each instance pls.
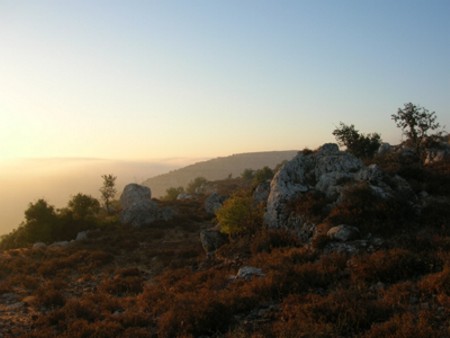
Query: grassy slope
x: 158, y: 282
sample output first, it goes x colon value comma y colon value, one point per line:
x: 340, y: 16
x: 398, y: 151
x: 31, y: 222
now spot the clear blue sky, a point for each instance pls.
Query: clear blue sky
x: 158, y: 79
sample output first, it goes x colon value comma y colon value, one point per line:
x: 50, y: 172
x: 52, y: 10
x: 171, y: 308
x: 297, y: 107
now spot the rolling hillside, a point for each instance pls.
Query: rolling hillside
x: 218, y: 168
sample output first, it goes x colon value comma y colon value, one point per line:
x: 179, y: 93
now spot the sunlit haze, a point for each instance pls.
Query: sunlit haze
x: 138, y: 81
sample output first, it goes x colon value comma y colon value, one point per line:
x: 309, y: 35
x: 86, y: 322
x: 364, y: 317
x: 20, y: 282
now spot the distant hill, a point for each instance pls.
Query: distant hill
x: 216, y: 169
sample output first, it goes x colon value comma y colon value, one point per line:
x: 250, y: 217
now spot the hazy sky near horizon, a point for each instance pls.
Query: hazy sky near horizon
x: 161, y: 79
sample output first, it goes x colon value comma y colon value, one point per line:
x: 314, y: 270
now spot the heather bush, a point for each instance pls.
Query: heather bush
x: 266, y: 240
x: 409, y: 324
x: 370, y: 213
x: 388, y: 266
x: 128, y: 281
x: 312, y: 206
x: 342, y: 313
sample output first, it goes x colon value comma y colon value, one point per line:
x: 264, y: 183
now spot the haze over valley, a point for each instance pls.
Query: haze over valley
x: 56, y: 180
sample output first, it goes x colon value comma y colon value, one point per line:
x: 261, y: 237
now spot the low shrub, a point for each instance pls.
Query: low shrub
x: 128, y: 281
x: 239, y: 214
x: 363, y: 208
x: 266, y: 240
x: 388, y: 266
x: 409, y: 324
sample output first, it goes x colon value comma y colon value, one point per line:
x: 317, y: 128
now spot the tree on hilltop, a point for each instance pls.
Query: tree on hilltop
x: 360, y: 145
x: 416, y: 122
x: 83, y: 206
x: 108, y: 190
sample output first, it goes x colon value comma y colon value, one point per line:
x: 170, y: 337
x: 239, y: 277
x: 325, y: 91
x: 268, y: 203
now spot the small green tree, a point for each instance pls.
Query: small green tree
x: 248, y: 174
x: 172, y: 193
x: 262, y: 175
x: 83, y: 206
x: 41, y: 223
x: 360, y: 145
x: 108, y: 190
x: 40, y: 211
x: 239, y: 214
x: 195, y: 185
x: 416, y: 123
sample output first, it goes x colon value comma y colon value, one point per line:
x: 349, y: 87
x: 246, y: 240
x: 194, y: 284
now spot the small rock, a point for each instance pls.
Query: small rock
x: 16, y: 306
x: 81, y: 236
x: 184, y: 196
x: 384, y: 148
x: 261, y: 192
x: 212, y: 240
x: 214, y: 202
x: 247, y: 272
x: 39, y: 245
x: 60, y: 244
x: 343, y: 233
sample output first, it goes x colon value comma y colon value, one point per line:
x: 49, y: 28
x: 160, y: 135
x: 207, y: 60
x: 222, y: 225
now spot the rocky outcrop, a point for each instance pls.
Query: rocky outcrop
x: 261, y: 192
x: 138, y: 209
x: 213, y: 203
x: 327, y: 171
x: 437, y: 153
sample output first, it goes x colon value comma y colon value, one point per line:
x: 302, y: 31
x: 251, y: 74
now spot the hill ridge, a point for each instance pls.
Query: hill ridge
x: 217, y: 168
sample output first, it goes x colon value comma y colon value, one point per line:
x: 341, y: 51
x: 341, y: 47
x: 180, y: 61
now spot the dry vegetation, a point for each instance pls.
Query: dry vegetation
x: 158, y: 282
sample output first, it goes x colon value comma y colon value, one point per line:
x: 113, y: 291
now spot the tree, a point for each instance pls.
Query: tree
x: 195, y: 186
x: 108, y: 190
x: 83, y: 206
x: 41, y: 223
x: 416, y: 122
x: 40, y: 211
x: 360, y: 145
x: 248, y: 174
x: 262, y: 175
x: 172, y: 193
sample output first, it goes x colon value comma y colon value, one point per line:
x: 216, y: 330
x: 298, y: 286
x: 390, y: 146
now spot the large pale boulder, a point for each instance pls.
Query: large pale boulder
x: 138, y: 209
x: 328, y: 171
x: 322, y: 170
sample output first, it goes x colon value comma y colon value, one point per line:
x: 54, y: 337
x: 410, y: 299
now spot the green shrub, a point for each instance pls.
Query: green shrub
x: 172, y: 193
x: 239, y: 214
x: 360, y: 145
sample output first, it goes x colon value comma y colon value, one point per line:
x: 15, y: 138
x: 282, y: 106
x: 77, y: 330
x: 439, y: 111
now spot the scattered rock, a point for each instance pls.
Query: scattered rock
x: 261, y: 192
x: 39, y: 245
x: 343, y: 233
x: 16, y: 306
x: 437, y: 153
x: 247, y: 272
x: 212, y: 239
x: 214, y: 202
x: 60, y: 244
x: 384, y: 148
x: 184, y: 196
x: 81, y: 236
x: 352, y: 247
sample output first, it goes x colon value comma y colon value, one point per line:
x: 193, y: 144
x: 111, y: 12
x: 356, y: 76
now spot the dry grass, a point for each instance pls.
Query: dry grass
x: 157, y: 281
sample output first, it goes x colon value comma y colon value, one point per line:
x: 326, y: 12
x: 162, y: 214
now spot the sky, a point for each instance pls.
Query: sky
x: 164, y: 80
